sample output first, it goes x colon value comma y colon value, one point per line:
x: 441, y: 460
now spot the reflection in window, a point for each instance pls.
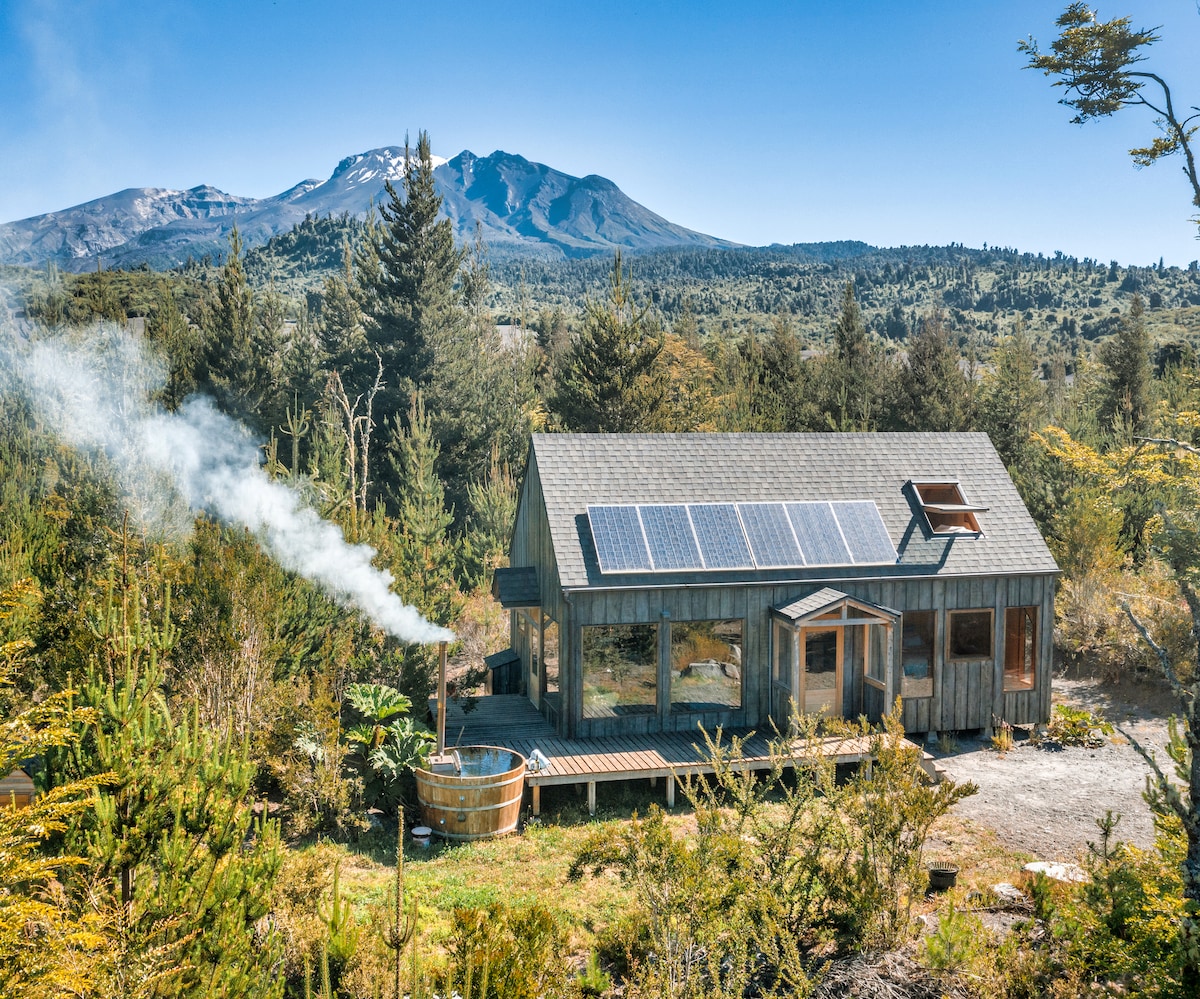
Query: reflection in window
x: 783, y: 656
x: 876, y: 659
x: 916, y: 654
x: 1020, y: 648
x: 706, y: 665
x: 620, y: 669
x: 970, y: 634
x: 550, y: 655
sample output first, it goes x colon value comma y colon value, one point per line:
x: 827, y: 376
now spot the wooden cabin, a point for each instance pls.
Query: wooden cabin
x: 658, y: 582
x: 16, y: 789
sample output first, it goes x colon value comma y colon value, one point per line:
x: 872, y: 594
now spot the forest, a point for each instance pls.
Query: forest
x: 221, y: 728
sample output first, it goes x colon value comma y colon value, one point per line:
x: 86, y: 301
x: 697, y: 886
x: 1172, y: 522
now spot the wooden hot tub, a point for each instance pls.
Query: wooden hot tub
x: 472, y: 792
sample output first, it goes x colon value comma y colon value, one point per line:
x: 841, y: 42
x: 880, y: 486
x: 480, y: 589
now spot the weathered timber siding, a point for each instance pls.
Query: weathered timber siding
x: 966, y: 694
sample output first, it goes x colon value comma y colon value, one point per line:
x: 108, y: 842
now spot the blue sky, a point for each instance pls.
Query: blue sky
x: 755, y: 121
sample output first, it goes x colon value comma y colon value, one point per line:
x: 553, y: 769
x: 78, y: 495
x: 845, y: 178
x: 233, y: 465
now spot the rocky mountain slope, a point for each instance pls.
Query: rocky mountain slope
x: 517, y: 203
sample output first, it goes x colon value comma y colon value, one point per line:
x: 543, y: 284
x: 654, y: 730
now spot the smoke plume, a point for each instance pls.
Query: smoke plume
x: 94, y: 390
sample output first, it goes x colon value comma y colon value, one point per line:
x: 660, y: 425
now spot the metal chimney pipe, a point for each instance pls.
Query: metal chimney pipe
x: 441, y: 704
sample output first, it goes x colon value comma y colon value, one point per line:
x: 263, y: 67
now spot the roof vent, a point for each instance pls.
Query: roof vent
x: 946, y: 509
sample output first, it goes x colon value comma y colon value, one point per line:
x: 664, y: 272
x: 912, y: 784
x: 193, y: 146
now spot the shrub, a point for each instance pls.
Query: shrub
x: 1077, y: 727
x: 956, y: 942
x: 507, y: 953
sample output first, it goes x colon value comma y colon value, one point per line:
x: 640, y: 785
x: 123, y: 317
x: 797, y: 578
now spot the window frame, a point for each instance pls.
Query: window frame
x: 782, y: 660
x: 912, y: 688
x: 1028, y: 677
x: 991, y: 633
x: 547, y: 623
x: 947, y: 492
x: 640, y: 708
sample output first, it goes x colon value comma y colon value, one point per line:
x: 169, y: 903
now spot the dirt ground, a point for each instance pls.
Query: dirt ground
x: 1045, y: 801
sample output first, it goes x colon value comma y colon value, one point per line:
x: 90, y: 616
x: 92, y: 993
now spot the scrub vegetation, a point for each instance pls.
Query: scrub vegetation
x: 223, y: 753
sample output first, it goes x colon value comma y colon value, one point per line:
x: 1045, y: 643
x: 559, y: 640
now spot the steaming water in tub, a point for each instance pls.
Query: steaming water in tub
x: 484, y: 761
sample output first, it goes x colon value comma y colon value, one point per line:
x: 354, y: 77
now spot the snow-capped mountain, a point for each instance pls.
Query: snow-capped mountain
x: 514, y: 201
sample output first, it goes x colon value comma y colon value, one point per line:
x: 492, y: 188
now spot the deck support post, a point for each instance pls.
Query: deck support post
x: 591, y: 786
x: 535, y: 794
x: 671, y: 791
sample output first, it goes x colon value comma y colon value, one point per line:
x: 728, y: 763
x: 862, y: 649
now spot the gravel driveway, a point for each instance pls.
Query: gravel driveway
x: 1045, y: 801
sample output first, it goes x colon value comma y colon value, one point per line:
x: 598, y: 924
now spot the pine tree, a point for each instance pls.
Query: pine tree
x: 341, y: 328
x: 177, y: 862
x: 422, y: 555
x: 493, y: 511
x: 610, y: 380
x: 852, y: 375
x: 932, y: 391
x: 241, y: 355
x: 411, y: 295
x: 1126, y: 356
x: 427, y: 559
x: 169, y: 330
x: 1013, y: 398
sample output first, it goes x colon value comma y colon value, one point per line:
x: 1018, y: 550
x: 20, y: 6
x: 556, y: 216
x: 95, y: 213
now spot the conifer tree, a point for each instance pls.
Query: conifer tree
x: 178, y: 864
x: 341, y: 329
x: 610, y: 380
x: 426, y: 554
x: 169, y: 330
x: 1013, y: 398
x: 412, y: 291
x: 1126, y: 356
x: 932, y: 391
x: 423, y: 556
x: 241, y: 357
x: 493, y: 511
x: 852, y: 374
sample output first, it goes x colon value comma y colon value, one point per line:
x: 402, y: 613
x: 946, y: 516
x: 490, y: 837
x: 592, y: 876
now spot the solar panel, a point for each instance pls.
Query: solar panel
x: 620, y: 544
x: 863, y: 527
x: 770, y: 535
x: 669, y: 535
x: 719, y: 532
x: 817, y: 531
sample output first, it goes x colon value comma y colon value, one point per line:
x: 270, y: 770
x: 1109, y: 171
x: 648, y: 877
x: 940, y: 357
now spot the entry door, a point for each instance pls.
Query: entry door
x: 821, y: 661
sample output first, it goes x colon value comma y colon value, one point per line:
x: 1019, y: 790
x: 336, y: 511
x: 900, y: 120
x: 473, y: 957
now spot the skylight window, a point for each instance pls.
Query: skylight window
x: 946, y: 509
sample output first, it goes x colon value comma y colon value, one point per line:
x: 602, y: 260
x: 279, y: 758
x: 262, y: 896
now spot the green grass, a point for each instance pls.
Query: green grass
x: 532, y: 866
x: 517, y: 870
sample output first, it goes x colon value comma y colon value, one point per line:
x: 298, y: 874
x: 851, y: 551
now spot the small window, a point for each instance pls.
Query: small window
x: 916, y: 654
x: 946, y: 508
x: 875, y: 661
x: 783, y: 656
x: 1020, y: 648
x: 550, y: 654
x: 970, y: 634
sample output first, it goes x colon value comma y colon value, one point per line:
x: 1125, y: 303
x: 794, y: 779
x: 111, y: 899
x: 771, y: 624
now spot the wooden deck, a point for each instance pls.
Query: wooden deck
x: 511, y: 721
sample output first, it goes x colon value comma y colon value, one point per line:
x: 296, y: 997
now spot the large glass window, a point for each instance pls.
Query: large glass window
x: 970, y: 634
x: 1020, y: 648
x: 706, y: 665
x: 916, y: 654
x: 620, y: 669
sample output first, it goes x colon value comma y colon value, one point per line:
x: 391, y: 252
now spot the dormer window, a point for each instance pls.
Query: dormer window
x: 946, y: 509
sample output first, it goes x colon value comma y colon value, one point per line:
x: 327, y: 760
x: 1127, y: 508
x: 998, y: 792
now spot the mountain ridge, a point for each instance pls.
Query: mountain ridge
x: 507, y: 198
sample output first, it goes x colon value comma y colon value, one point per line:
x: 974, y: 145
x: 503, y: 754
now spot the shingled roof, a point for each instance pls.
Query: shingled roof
x: 576, y: 470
